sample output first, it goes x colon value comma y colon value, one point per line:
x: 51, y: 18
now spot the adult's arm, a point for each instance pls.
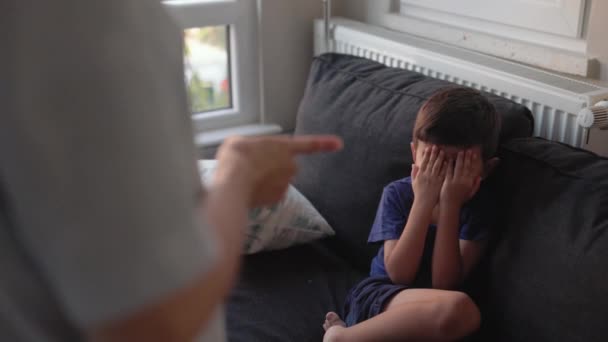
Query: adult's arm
x: 98, y: 161
x: 251, y: 172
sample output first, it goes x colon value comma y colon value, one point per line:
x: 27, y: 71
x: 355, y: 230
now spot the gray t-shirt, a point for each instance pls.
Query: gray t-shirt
x: 99, y: 191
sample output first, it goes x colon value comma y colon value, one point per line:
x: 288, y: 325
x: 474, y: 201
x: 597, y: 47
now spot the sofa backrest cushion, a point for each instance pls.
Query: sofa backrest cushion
x: 546, y: 276
x: 373, y: 108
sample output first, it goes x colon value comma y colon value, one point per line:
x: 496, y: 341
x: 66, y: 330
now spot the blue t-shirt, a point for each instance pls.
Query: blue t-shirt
x: 476, y: 218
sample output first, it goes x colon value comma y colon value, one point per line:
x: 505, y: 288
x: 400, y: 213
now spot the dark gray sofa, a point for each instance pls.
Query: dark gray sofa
x: 544, y: 278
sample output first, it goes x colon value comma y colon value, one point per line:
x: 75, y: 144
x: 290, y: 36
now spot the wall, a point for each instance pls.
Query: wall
x: 364, y: 10
x: 372, y: 11
x: 287, y: 49
x: 598, y: 142
x: 597, y: 36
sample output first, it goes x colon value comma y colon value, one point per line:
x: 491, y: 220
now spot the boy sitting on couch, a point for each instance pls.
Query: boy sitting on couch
x: 433, y: 225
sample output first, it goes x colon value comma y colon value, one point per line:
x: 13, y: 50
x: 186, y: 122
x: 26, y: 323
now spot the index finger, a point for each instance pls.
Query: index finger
x: 467, y: 162
x: 459, y: 164
x: 309, y: 144
x: 426, y: 154
x: 474, y: 164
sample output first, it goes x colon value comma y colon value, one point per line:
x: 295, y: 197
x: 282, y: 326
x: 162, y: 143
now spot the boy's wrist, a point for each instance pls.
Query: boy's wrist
x: 446, y: 204
x: 423, y: 205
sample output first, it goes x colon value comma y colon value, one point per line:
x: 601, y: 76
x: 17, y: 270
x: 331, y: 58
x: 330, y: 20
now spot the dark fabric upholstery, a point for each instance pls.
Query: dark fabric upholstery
x: 546, y: 279
x: 284, y: 295
x: 373, y: 108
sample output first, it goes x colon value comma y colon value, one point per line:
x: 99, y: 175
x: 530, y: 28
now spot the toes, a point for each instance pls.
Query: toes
x: 332, y: 316
x: 333, y: 319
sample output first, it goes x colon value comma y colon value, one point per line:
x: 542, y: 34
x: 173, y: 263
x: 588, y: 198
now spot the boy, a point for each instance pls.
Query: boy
x: 433, y: 225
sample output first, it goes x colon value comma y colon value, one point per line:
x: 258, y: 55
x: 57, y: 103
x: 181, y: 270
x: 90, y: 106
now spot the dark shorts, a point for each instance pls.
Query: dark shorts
x: 369, y: 298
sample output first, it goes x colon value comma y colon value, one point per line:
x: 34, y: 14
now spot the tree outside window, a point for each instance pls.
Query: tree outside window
x: 207, y: 64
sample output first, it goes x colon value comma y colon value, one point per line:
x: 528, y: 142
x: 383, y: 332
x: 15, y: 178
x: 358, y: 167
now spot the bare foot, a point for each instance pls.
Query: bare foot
x: 333, y: 327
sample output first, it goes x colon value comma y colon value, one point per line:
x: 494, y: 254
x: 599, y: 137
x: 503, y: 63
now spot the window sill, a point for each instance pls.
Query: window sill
x: 557, y: 54
x: 214, y: 138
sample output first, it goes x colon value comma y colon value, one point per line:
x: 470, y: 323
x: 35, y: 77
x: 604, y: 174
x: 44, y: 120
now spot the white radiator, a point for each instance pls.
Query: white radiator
x: 554, y: 100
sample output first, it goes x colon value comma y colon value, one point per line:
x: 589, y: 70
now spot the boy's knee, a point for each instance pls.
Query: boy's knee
x: 458, y: 317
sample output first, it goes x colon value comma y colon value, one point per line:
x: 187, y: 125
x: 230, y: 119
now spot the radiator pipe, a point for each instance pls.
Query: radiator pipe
x: 327, y: 19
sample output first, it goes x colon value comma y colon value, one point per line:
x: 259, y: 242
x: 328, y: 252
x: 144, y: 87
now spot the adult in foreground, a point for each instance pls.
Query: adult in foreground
x: 105, y: 231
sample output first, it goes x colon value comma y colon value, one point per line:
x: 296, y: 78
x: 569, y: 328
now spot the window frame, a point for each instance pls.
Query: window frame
x: 559, y: 18
x: 241, y: 17
x: 548, y: 51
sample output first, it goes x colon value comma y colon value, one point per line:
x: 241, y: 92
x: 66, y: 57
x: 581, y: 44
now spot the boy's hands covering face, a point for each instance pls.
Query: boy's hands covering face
x: 461, y: 181
x: 428, y: 178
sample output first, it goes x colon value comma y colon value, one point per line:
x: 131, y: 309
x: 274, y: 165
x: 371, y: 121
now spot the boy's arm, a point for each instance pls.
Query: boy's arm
x: 402, y: 257
x: 453, y: 259
x: 447, y: 267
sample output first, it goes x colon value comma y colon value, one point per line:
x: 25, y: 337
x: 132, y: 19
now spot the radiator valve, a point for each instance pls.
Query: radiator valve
x: 594, y: 117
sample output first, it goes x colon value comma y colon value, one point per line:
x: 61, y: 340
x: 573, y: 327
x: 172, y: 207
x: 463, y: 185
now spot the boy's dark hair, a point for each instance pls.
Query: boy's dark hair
x: 459, y: 116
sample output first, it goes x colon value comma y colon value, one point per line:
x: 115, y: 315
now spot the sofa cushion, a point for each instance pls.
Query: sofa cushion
x: 284, y: 295
x: 547, y: 279
x: 292, y: 221
x: 373, y: 108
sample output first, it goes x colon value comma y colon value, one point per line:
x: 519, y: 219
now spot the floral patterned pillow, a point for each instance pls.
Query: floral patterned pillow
x: 293, y: 220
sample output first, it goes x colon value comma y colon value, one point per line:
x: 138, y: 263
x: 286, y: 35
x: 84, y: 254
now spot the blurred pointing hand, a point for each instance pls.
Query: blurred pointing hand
x: 264, y: 166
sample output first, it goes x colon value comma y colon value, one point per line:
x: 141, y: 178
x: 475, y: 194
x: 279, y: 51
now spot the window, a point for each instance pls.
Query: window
x: 206, y: 59
x: 557, y: 17
x: 220, y: 60
x: 547, y: 33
